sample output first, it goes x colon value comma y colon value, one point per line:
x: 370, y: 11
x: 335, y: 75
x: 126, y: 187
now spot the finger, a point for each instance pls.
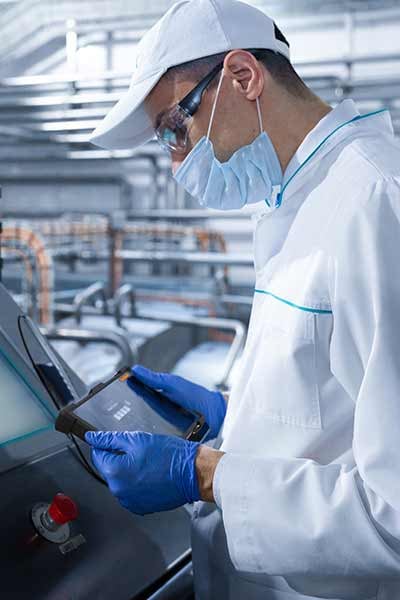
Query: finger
x: 157, y: 381
x: 108, y: 440
x: 98, y: 459
x: 136, y: 387
x: 114, y: 469
x: 123, y: 502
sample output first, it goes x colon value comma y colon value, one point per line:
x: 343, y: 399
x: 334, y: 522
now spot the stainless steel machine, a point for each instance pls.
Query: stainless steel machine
x: 63, y: 535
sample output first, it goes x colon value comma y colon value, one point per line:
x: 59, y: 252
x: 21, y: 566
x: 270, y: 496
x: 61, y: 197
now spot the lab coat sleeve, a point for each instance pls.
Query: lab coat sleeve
x: 295, y: 516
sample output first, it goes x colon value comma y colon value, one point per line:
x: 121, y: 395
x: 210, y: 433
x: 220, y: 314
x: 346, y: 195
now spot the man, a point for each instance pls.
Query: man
x: 303, y: 497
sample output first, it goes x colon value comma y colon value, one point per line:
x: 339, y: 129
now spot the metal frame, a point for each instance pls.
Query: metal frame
x: 88, y: 295
x: 216, y: 323
x: 122, y: 293
x: 128, y: 356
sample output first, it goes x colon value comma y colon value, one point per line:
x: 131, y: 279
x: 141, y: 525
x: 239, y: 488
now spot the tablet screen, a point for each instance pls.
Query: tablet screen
x: 118, y: 408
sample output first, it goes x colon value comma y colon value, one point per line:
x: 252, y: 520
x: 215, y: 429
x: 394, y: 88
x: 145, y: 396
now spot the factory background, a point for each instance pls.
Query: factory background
x: 109, y: 256
x: 76, y: 216
x: 81, y: 220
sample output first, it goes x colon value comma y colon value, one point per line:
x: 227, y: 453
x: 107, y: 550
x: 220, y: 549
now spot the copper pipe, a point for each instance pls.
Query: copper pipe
x: 25, y: 259
x: 27, y: 265
x: 75, y: 229
x: 206, y: 240
x: 116, y: 262
x: 33, y: 242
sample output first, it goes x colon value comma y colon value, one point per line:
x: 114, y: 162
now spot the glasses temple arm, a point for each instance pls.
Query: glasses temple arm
x: 190, y: 103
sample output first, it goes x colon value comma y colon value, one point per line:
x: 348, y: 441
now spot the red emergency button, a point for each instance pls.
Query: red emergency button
x: 63, y: 509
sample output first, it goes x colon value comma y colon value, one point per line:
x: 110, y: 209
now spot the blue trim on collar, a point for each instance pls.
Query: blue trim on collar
x: 356, y: 118
x: 305, y: 308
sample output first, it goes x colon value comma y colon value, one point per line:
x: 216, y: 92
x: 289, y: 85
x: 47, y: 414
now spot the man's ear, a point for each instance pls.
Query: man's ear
x: 246, y: 73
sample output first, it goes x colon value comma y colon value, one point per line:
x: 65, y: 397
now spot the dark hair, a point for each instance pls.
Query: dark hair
x: 280, y: 68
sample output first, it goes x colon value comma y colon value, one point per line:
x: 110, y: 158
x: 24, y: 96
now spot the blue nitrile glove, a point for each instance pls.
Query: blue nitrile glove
x: 189, y: 395
x: 157, y: 472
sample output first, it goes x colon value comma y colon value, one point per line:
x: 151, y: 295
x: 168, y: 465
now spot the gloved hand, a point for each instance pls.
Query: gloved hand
x: 189, y: 395
x: 157, y: 472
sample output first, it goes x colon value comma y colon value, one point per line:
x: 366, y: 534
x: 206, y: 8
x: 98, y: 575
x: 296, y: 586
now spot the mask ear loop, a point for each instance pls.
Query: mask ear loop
x: 214, y: 105
x: 259, y: 115
x: 276, y: 189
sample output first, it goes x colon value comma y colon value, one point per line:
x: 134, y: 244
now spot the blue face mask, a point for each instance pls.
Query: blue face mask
x: 252, y: 174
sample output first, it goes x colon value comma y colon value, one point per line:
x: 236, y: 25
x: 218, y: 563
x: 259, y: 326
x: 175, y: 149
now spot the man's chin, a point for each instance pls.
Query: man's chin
x: 175, y: 166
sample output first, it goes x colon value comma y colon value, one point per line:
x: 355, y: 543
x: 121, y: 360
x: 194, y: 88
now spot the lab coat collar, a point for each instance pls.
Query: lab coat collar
x: 328, y: 132
x: 343, y: 112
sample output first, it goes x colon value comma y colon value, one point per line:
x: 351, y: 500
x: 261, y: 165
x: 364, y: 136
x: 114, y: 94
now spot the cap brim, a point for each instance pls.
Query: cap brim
x: 127, y: 125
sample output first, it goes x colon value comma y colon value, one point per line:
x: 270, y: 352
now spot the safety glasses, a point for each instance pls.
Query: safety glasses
x: 173, y: 124
x: 172, y: 128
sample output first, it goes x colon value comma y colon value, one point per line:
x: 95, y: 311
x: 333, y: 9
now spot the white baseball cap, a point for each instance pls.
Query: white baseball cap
x: 190, y: 29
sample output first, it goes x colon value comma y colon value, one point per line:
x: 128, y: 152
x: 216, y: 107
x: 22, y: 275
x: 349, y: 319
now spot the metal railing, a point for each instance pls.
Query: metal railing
x: 213, y: 323
x: 125, y: 292
x: 216, y: 323
x: 86, y: 336
x: 88, y: 295
x: 215, y: 259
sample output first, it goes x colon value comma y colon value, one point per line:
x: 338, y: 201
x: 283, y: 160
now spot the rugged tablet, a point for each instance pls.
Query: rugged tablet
x: 113, y: 406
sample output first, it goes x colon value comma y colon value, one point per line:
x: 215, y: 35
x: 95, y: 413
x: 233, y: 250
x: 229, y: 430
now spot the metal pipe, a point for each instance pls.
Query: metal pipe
x: 180, y: 585
x: 23, y: 255
x: 151, y: 295
x: 116, y: 266
x: 211, y: 323
x: 206, y: 240
x: 216, y: 323
x: 167, y: 257
x: 34, y: 243
x: 128, y: 356
x: 192, y: 258
x: 122, y: 293
x: 83, y: 297
x: 186, y: 215
x: 236, y: 299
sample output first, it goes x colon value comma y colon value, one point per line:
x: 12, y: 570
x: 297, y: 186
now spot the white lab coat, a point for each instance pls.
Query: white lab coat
x: 308, y: 492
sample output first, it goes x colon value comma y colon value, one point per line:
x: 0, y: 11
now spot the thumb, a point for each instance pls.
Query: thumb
x: 137, y: 386
x: 157, y: 381
x: 107, y: 440
x: 107, y: 463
